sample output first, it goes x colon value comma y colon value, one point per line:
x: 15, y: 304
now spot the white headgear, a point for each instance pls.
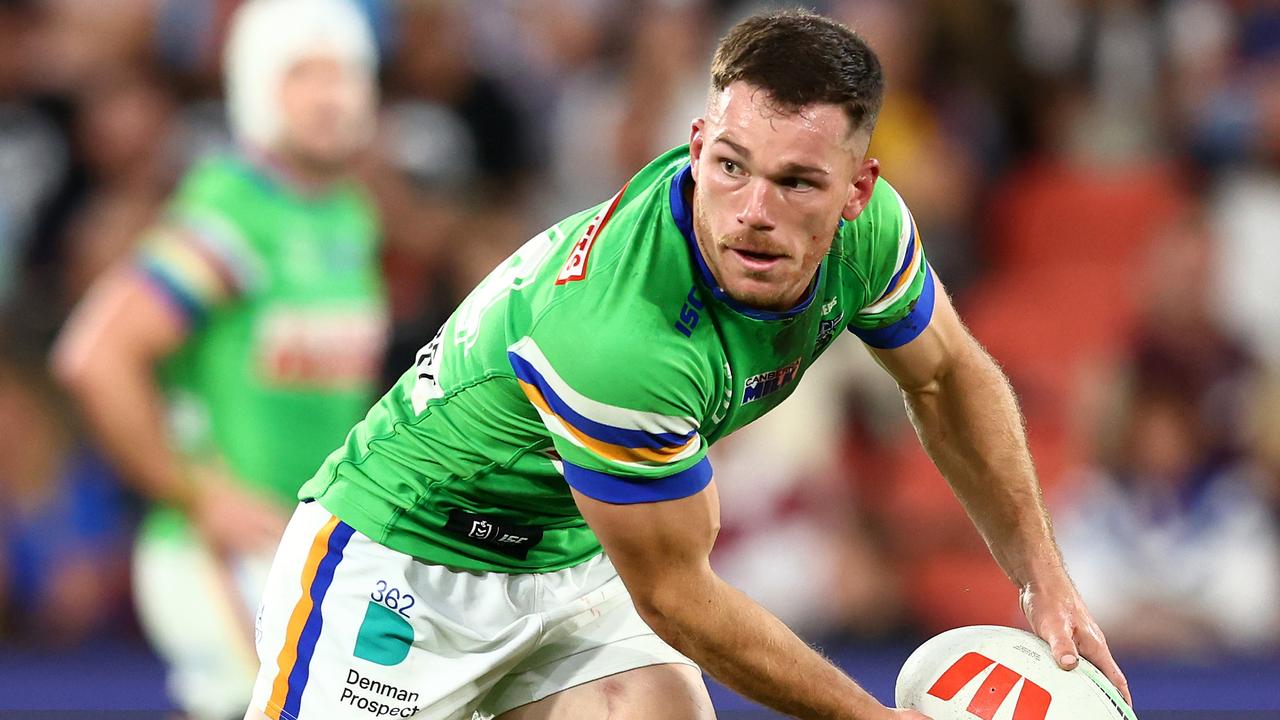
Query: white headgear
x: 267, y: 38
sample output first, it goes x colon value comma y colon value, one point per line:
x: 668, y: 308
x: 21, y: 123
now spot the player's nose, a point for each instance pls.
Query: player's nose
x: 755, y: 213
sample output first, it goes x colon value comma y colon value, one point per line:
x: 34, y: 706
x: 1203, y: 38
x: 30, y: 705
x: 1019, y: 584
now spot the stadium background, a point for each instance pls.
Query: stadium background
x: 1097, y: 180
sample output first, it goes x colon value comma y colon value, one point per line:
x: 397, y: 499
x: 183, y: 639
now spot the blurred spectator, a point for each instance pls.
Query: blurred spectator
x: 1233, y: 127
x: 1246, y: 206
x: 451, y: 175
x: 464, y: 133
x: 616, y: 114
x: 187, y: 35
x: 1263, y: 433
x: 1169, y: 543
x: 121, y: 131
x: 1166, y: 534
x: 34, y: 155
x: 76, y: 40
x: 793, y: 534
x: 63, y: 524
x: 124, y: 130
x: 929, y: 136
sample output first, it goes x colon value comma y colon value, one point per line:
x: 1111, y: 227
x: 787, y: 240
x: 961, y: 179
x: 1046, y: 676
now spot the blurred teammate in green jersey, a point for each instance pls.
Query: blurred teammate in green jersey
x: 221, y: 364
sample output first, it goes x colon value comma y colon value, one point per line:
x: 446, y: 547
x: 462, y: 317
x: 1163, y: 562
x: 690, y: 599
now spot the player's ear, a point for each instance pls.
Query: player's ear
x: 864, y: 182
x: 695, y: 142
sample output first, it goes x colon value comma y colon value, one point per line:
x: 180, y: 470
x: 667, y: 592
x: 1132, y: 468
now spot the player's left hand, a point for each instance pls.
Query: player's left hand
x: 1059, y: 616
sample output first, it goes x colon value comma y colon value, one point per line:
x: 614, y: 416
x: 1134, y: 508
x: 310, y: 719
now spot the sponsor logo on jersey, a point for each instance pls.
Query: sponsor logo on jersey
x: 427, y: 386
x: 768, y: 383
x: 575, y: 268
x: 689, y: 316
x: 827, y: 330
x: 1032, y: 702
x: 494, y: 533
x: 321, y: 348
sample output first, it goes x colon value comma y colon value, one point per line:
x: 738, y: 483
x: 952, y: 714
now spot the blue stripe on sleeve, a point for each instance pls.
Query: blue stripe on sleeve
x: 908, y: 328
x: 621, y: 437
x: 628, y: 491
x: 191, y: 309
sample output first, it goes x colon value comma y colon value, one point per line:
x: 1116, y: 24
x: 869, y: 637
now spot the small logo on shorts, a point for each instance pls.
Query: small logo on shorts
x: 480, y: 530
x: 375, y: 697
x: 385, y: 636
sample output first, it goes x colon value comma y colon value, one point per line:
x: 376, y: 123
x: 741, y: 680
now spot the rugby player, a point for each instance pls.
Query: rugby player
x: 520, y: 528
x: 221, y: 364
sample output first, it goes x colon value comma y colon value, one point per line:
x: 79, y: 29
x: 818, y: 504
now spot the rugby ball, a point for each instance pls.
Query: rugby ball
x: 990, y: 672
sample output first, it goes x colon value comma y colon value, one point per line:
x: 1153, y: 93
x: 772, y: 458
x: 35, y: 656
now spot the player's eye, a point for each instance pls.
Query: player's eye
x: 731, y: 168
x: 795, y: 183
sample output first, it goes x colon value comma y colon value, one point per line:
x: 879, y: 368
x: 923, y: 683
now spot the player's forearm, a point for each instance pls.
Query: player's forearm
x: 970, y: 424
x: 745, y: 647
x: 122, y: 405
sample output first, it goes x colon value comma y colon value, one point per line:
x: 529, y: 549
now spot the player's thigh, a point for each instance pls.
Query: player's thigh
x: 598, y: 653
x: 671, y: 691
x: 351, y: 629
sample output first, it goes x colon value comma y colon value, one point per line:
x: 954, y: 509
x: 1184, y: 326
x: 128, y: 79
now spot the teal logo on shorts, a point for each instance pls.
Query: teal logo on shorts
x: 385, y: 636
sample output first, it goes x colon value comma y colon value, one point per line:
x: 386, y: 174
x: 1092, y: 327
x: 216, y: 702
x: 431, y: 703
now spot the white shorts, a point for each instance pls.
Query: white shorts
x: 349, y: 628
x: 197, y: 612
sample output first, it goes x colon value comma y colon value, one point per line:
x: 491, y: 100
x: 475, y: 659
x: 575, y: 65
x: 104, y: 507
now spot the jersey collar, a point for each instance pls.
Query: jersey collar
x: 273, y: 173
x: 682, y: 213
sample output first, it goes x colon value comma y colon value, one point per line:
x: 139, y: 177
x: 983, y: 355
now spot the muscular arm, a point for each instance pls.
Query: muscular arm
x: 661, y: 552
x: 106, y: 358
x: 968, y: 421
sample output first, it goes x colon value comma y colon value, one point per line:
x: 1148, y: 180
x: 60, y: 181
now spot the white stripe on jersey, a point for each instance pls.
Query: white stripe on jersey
x: 906, y: 238
x: 600, y: 412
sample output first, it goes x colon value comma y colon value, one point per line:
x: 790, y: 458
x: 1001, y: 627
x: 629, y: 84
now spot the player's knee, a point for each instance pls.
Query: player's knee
x: 671, y: 691
x: 673, y: 711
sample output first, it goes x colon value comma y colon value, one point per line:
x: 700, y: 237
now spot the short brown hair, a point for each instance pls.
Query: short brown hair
x: 801, y: 58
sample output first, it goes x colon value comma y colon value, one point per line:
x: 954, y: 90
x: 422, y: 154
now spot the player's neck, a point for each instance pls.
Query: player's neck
x: 299, y: 176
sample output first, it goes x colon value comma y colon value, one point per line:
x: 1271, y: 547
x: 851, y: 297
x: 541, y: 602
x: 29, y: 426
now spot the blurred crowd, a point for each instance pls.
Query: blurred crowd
x: 1097, y: 182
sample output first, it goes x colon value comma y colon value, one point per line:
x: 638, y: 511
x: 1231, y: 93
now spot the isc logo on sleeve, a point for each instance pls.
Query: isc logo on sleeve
x: 689, y: 313
x: 1032, y: 702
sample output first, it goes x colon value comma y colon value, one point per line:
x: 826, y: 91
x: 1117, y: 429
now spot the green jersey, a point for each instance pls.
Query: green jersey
x: 283, y: 299
x: 601, y: 356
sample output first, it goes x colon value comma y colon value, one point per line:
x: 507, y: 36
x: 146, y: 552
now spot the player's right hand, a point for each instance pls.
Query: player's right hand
x: 235, y: 520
